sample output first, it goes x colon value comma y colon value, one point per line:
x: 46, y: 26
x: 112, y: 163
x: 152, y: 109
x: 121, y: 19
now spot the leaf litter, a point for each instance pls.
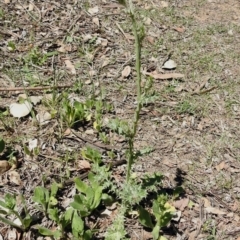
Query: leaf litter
x: 189, y: 152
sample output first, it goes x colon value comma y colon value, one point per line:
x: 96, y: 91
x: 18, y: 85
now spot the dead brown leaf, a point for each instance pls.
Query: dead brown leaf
x: 221, y: 166
x: 4, y: 166
x: 12, y: 234
x: 179, y: 29
x: 181, y: 204
x: 206, y: 202
x: 192, y: 235
x: 126, y: 71
x: 15, y: 178
x: 96, y: 21
x: 165, y: 76
x: 214, y: 211
x: 150, y: 39
x: 83, y: 164
x: 93, y: 10
x: 67, y: 132
x: 70, y: 66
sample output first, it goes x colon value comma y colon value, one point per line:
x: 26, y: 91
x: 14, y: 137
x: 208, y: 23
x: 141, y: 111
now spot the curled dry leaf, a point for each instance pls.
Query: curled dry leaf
x: 126, y: 71
x: 93, y: 10
x: 87, y: 37
x: 30, y: 7
x: 89, y: 131
x: 170, y: 64
x: 35, y: 99
x: 147, y: 21
x: 43, y: 117
x: 88, y: 82
x: 181, y: 204
x: 177, y: 216
x: 214, y: 211
x: 4, y: 166
x: 163, y: 4
x: 102, y: 41
x: 221, y: 166
x: 15, y: 177
x: 105, y: 62
x: 106, y: 213
x: 12, y: 233
x: 20, y: 109
x: 207, y: 203
x: 70, y: 66
x: 67, y: 132
x: 22, y: 96
x: 92, y: 73
x: 150, y: 39
x: 83, y: 164
x: 96, y: 21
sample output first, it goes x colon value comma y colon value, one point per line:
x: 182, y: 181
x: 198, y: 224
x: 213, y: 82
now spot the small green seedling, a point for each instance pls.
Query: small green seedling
x: 46, y: 199
x: 48, y: 202
x: 186, y: 107
x: 73, y: 113
x: 162, y: 211
x: 9, y: 207
x: 121, y: 127
x: 104, y: 137
x: 11, y: 46
x: 78, y: 228
x: 63, y: 221
x: 89, y: 197
x: 92, y: 155
x: 32, y: 153
x: 35, y: 56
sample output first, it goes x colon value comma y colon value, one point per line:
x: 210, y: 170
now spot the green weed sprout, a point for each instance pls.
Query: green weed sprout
x: 162, y: 212
x: 89, y: 197
x: 120, y: 126
x: 8, y: 207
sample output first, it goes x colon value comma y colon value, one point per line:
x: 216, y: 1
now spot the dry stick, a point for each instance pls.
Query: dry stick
x: 121, y: 30
x: 204, y: 91
x: 12, y: 89
x: 99, y: 145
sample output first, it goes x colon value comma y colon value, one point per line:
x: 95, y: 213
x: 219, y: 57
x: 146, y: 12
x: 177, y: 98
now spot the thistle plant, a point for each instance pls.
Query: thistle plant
x: 138, y: 31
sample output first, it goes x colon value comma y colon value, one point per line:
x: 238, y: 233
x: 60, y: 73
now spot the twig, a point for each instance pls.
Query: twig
x: 99, y: 145
x: 12, y: 89
x: 121, y: 30
x: 205, y: 91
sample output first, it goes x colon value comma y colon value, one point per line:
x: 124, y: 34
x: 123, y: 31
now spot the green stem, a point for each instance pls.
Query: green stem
x: 130, y: 158
x: 139, y: 90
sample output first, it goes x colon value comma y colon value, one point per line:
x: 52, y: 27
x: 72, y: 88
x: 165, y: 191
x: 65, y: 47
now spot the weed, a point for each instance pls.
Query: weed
x: 185, y: 107
x: 82, y: 206
x: 9, y: 207
x: 209, y: 226
x: 162, y: 212
x: 35, y: 57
